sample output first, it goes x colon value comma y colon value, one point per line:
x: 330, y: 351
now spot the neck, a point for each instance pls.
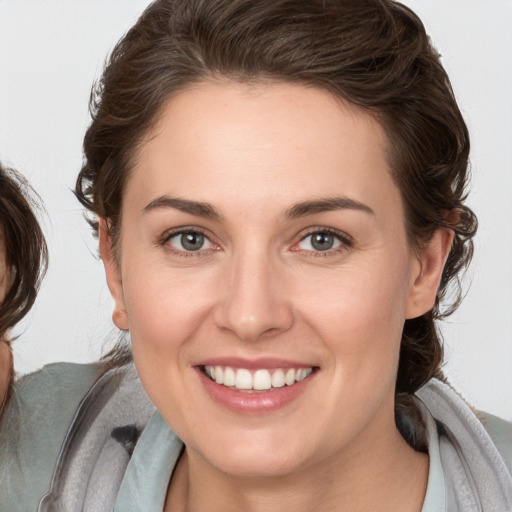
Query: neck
x: 382, y: 475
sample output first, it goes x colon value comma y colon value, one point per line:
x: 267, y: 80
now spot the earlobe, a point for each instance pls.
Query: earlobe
x: 113, y: 275
x: 428, y: 272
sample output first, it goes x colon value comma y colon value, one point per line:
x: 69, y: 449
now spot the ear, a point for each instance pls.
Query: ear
x: 427, y: 273
x: 113, y: 274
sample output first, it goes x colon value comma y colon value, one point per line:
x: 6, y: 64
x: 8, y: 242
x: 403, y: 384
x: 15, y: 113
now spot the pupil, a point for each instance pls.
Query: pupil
x: 322, y: 241
x: 192, y: 241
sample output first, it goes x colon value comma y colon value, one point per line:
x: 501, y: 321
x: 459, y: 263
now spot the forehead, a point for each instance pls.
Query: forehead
x: 261, y: 142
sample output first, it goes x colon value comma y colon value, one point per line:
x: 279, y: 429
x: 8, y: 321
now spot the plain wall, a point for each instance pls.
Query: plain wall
x: 51, y: 51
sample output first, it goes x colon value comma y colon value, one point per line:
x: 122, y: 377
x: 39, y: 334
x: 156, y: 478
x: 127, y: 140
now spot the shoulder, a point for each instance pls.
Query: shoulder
x: 500, y: 431
x: 100, y: 441
x: 33, y: 428
x: 483, y: 432
x: 43, y: 402
x: 64, y: 381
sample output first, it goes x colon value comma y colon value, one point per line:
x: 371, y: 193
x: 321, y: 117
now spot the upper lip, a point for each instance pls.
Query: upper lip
x: 253, y: 364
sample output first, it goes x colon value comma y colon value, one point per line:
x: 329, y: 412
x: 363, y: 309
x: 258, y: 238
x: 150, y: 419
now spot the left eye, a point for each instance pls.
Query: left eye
x: 320, y: 241
x: 189, y: 241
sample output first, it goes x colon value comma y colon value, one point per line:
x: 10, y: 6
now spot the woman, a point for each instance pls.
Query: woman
x: 279, y: 193
x: 23, y: 260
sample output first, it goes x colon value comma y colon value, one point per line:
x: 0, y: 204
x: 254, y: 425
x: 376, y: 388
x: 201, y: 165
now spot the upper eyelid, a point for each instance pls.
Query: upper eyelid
x: 346, y: 242
x: 344, y: 237
x: 170, y: 233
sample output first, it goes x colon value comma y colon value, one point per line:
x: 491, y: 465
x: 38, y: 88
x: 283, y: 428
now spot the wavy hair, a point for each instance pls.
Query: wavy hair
x: 25, y: 246
x: 25, y: 250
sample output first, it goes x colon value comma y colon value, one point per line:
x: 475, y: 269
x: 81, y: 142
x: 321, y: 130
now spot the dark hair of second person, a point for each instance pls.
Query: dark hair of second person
x: 25, y: 258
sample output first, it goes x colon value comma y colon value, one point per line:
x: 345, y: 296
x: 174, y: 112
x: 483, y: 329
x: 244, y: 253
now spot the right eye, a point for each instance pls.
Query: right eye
x: 189, y: 241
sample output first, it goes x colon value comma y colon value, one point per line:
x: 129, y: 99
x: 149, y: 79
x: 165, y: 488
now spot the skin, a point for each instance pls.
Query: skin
x: 5, y: 370
x: 5, y: 349
x: 258, y: 288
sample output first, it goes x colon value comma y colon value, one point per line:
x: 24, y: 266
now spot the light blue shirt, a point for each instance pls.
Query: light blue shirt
x: 149, y: 471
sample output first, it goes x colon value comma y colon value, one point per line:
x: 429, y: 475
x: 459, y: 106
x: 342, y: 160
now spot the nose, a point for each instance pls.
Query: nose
x: 254, y: 304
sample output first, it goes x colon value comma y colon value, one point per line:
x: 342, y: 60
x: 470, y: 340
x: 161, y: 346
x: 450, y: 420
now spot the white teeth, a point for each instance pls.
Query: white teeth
x: 302, y: 373
x: 262, y: 380
x: 259, y: 380
x: 243, y: 379
x: 290, y: 377
x: 307, y: 372
x: 278, y: 379
x: 229, y: 377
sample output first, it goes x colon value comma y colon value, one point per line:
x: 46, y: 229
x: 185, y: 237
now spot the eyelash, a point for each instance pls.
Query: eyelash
x: 183, y: 231
x: 345, y: 242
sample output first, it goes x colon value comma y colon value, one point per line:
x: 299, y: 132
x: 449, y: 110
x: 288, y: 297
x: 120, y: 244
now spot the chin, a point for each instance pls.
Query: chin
x: 261, y: 465
x: 255, y: 455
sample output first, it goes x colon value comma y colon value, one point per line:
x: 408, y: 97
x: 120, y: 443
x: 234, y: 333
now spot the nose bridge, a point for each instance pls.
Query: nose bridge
x: 254, y: 304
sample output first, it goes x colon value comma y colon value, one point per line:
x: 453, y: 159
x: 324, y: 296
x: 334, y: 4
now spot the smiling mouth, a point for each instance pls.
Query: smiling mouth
x: 242, y: 379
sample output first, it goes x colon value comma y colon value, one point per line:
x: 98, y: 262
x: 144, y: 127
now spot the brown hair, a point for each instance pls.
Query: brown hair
x: 25, y: 248
x: 373, y: 53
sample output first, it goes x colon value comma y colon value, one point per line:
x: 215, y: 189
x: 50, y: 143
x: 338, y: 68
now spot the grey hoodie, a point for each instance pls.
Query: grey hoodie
x: 118, y: 453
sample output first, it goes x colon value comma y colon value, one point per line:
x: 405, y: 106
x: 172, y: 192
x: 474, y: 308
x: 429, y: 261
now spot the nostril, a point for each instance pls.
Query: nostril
x: 257, y: 322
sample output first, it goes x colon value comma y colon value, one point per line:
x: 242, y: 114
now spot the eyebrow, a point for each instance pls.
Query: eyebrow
x: 185, y: 205
x: 326, y: 205
x: 302, y: 209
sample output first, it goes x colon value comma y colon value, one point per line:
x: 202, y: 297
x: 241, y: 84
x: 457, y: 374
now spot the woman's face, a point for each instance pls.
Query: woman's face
x: 263, y: 241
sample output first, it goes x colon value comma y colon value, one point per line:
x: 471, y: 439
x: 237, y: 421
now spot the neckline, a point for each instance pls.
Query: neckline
x: 149, y: 471
x: 147, y: 476
x: 435, y: 497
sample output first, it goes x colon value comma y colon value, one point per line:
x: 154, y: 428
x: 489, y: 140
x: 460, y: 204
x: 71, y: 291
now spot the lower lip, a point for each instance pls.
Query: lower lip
x: 255, y: 402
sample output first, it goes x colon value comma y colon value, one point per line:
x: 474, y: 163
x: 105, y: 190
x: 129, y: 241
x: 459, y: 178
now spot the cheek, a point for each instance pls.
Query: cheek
x: 359, y: 313
x: 162, y: 315
x: 4, y: 281
x: 6, y: 369
x: 164, y: 308
x: 358, y: 317
x: 360, y: 299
